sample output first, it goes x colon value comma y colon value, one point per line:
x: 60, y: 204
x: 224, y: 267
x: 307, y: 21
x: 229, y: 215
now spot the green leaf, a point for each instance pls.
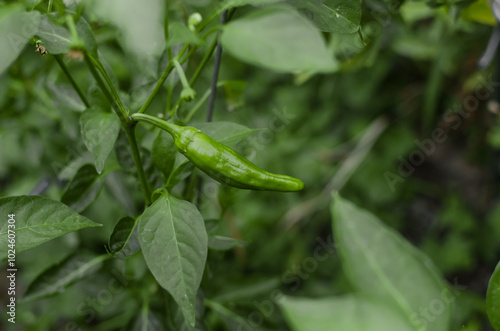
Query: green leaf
x: 278, y: 40
x: 347, y: 313
x: 38, y: 220
x: 174, y: 243
x: 124, y: 240
x: 493, y: 298
x: 164, y: 152
x: 100, y: 131
x: 139, y: 24
x: 379, y: 262
x: 16, y: 29
x: 227, y: 133
x: 83, y: 189
x: 56, y: 38
x: 180, y: 34
x: 331, y: 15
x: 57, y: 278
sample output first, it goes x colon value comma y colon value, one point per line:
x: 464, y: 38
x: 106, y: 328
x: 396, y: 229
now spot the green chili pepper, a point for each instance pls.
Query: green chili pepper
x: 221, y: 162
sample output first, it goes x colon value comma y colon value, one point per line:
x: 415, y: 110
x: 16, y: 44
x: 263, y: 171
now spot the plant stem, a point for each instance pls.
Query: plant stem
x: 166, y: 72
x: 130, y: 131
x: 71, y: 80
x: 127, y: 125
x: 75, y: 39
x: 182, y: 75
x: 114, y: 94
x: 170, y: 90
x: 196, y: 107
x: 100, y: 82
x: 204, y: 61
x: 215, y: 75
x: 198, y: 71
x: 144, y: 315
x: 171, y: 128
x: 200, y: 102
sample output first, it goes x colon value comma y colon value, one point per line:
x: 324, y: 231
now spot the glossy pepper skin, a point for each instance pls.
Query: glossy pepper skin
x: 221, y: 162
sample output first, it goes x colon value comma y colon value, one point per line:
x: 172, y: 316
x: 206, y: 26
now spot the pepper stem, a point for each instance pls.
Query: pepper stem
x: 171, y: 128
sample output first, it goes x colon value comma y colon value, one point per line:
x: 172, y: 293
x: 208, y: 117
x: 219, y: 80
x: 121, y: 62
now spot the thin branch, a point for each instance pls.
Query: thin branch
x: 130, y: 131
x: 128, y: 126
x: 204, y: 61
x: 215, y: 75
x: 159, y: 84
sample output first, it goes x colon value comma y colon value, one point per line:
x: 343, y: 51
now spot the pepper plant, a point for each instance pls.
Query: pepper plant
x: 136, y: 230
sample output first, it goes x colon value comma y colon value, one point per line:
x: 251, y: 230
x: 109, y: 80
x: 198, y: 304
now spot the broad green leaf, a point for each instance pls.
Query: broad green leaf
x: 16, y: 29
x: 83, y: 189
x: 57, y: 278
x: 278, y: 40
x: 100, y: 131
x: 56, y: 38
x: 379, y: 262
x: 140, y: 25
x: 493, y: 298
x: 347, y: 313
x: 180, y: 34
x: 124, y: 241
x: 174, y: 243
x: 331, y: 15
x: 38, y: 220
x: 227, y: 133
x: 164, y: 152
x: 69, y: 171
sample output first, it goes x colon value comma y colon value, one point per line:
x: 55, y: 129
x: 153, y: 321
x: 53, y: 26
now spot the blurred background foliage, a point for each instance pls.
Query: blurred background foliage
x: 406, y: 68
